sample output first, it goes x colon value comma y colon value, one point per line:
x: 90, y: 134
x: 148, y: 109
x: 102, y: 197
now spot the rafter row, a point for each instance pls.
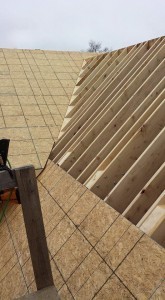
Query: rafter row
x: 113, y: 136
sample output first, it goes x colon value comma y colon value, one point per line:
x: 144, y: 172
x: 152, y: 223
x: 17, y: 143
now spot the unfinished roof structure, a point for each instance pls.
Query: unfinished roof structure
x: 102, y: 190
x: 113, y: 136
x: 35, y: 89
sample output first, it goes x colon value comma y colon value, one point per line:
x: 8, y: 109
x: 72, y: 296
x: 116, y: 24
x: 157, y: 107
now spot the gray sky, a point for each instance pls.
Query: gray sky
x: 70, y: 24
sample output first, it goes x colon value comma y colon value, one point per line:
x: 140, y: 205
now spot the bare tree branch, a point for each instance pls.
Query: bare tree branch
x: 96, y: 47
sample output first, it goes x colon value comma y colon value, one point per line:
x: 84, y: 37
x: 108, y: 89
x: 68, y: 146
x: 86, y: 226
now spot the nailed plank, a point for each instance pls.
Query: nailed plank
x: 102, y: 85
x: 138, y: 175
x: 89, y: 67
x: 153, y: 222
x: 87, y: 71
x: 120, y: 73
x: 122, y: 136
x: 109, y: 124
x: 130, y: 64
x: 111, y: 173
x: 31, y: 207
x: 89, y: 110
x: 92, y: 112
x: 146, y: 197
x: 159, y: 201
x: 102, y: 67
x: 78, y: 121
x: 76, y: 98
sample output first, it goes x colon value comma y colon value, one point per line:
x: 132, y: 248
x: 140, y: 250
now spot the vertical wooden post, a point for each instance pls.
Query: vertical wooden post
x: 27, y: 185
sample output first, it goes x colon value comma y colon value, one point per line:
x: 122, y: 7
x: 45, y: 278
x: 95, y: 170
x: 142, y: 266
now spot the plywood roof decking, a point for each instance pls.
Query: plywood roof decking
x: 113, y: 135
x: 95, y: 253
x: 35, y: 89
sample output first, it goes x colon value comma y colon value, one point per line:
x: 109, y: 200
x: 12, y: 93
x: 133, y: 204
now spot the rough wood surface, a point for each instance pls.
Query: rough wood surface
x: 94, y: 251
x: 116, y: 112
x: 29, y: 197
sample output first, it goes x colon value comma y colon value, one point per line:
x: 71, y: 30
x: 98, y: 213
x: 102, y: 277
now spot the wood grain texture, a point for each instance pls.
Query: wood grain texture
x: 29, y: 196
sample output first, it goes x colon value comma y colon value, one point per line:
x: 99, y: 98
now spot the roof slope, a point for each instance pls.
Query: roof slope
x: 113, y: 135
x: 35, y: 88
x: 95, y: 253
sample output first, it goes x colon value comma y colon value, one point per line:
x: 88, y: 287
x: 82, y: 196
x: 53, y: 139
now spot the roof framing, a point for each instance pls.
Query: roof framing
x: 112, y: 139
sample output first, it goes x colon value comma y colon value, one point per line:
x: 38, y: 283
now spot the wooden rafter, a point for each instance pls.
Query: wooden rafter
x: 113, y: 137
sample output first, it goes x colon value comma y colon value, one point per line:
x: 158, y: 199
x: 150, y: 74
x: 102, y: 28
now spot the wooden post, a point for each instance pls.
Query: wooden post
x: 29, y: 197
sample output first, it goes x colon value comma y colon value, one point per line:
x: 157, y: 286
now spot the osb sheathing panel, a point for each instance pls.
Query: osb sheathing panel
x: 35, y: 89
x: 95, y: 253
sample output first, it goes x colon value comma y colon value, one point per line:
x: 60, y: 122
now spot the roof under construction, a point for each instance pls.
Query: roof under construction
x: 113, y: 136
x: 102, y: 190
x: 35, y: 89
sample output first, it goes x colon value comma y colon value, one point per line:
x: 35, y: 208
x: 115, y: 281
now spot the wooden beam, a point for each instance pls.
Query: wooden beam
x: 112, y: 172
x: 157, y: 44
x: 109, y: 124
x: 88, y: 68
x: 129, y: 59
x: 146, y: 197
x: 158, y: 234
x: 100, y: 68
x: 138, y: 175
x: 31, y: 207
x: 159, y: 201
x: 94, y: 93
x: 103, y: 80
x: 99, y: 79
x: 90, y: 113
x: 85, y: 95
x: 133, y: 70
x: 87, y: 71
x: 122, y: 136
x: 84, y: 98
x: 153, y: 222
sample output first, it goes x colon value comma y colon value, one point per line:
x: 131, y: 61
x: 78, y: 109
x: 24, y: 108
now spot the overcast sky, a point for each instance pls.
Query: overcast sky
x: 70, y: 24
